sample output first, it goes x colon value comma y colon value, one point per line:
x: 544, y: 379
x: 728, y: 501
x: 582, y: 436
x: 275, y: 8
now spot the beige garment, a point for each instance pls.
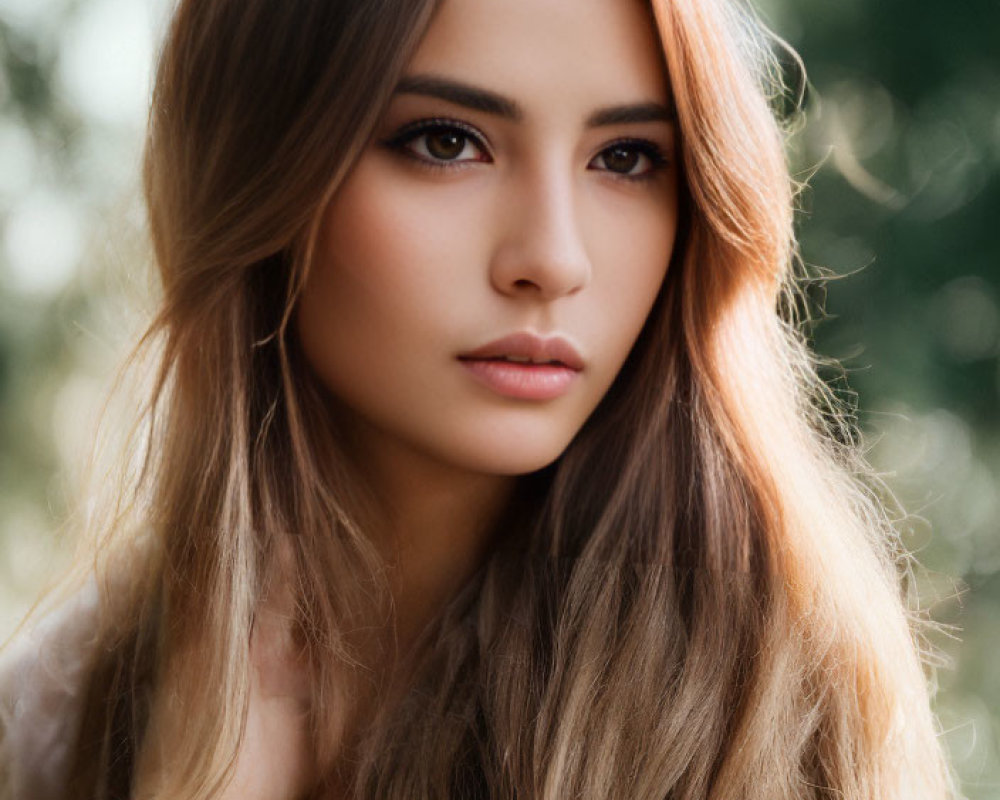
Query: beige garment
x: 42, y: 675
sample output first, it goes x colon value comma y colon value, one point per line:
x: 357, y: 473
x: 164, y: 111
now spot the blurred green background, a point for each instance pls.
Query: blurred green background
x: 903, y: 120
x: 901, y: 138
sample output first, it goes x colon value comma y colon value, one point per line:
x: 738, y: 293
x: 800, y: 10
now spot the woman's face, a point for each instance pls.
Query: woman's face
x: 521, y: 182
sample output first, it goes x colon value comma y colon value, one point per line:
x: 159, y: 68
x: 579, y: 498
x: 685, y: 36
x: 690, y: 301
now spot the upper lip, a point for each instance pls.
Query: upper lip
x: 528, y: 345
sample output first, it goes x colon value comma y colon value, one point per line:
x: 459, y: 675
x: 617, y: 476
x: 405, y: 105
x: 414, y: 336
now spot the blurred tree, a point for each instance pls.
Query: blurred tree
x: 36, y: 141
x: 903, y: 121
x: 67, y: 179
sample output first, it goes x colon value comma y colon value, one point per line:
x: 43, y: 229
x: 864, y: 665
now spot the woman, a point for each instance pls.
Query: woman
x: 479, y: 461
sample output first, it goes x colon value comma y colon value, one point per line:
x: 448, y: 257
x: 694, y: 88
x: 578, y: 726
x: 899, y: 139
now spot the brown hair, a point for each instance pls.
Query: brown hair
x: 699, y: 599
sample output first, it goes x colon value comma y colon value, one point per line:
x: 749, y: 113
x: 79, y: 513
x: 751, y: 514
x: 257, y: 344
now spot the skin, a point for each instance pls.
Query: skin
x: 534, y: 225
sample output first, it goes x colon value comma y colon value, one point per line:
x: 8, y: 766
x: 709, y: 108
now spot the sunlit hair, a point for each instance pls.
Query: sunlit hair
x: 699, y: 599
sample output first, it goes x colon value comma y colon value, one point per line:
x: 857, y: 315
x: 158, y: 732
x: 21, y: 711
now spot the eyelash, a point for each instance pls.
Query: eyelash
x: 401, y: 141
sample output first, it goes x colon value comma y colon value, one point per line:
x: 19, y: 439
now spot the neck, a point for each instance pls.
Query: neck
x: 434, y: 527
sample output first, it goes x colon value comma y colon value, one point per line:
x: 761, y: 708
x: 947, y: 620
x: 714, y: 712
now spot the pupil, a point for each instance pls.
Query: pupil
x: 445, y: 145
x: 621, y: 159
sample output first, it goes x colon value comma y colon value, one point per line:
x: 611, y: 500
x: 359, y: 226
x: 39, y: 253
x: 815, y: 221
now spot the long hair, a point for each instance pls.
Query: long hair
x: 698, y: 599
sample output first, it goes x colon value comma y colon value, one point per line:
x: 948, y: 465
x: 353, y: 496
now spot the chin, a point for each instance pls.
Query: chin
x: 515, y: 454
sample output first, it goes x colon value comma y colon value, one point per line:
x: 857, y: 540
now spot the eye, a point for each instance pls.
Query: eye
x: 630, y: 158
x: 440, y: 143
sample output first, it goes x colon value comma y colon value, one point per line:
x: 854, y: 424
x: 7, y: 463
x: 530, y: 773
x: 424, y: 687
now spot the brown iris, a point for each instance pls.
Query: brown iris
x: 621, y: 158
x: 445, y: 145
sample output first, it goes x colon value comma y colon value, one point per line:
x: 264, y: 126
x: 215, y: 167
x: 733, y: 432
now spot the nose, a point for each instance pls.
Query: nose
x: 541, y: 252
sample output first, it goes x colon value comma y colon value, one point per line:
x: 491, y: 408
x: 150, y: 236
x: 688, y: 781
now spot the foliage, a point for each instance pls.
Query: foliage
x: 903, y: 124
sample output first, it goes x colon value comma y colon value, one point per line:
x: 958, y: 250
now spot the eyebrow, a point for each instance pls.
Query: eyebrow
x: 488, y: 102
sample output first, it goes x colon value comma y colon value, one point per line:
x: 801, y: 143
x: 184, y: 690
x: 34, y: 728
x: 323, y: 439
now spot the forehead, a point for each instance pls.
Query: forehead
x: 586, y: 52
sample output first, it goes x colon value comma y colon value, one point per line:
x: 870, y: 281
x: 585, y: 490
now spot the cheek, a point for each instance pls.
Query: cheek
x: 354, y: 287
x: 389, y: 278
x: 370, y: 245
x: 372, y: 257
x: 387, y: 224
x: 632, y: 247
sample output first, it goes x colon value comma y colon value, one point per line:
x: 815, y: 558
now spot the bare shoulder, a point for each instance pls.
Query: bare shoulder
x: 276, y: 759
x: 43, y: 675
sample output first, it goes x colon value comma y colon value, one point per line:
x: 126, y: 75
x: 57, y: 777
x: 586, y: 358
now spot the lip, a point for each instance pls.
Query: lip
x: 557, y: 367
x: 528, y: 345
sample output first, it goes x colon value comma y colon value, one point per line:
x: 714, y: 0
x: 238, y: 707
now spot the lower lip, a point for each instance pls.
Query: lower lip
x: 522, y: 381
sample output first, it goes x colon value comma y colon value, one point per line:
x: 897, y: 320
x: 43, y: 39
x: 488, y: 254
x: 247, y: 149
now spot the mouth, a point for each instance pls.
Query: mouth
x: 525, y: 367
x: 527, y: 348
x: 522, y: 360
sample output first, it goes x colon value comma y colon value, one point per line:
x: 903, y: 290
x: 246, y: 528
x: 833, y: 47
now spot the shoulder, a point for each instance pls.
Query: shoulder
x: 43, y: 676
